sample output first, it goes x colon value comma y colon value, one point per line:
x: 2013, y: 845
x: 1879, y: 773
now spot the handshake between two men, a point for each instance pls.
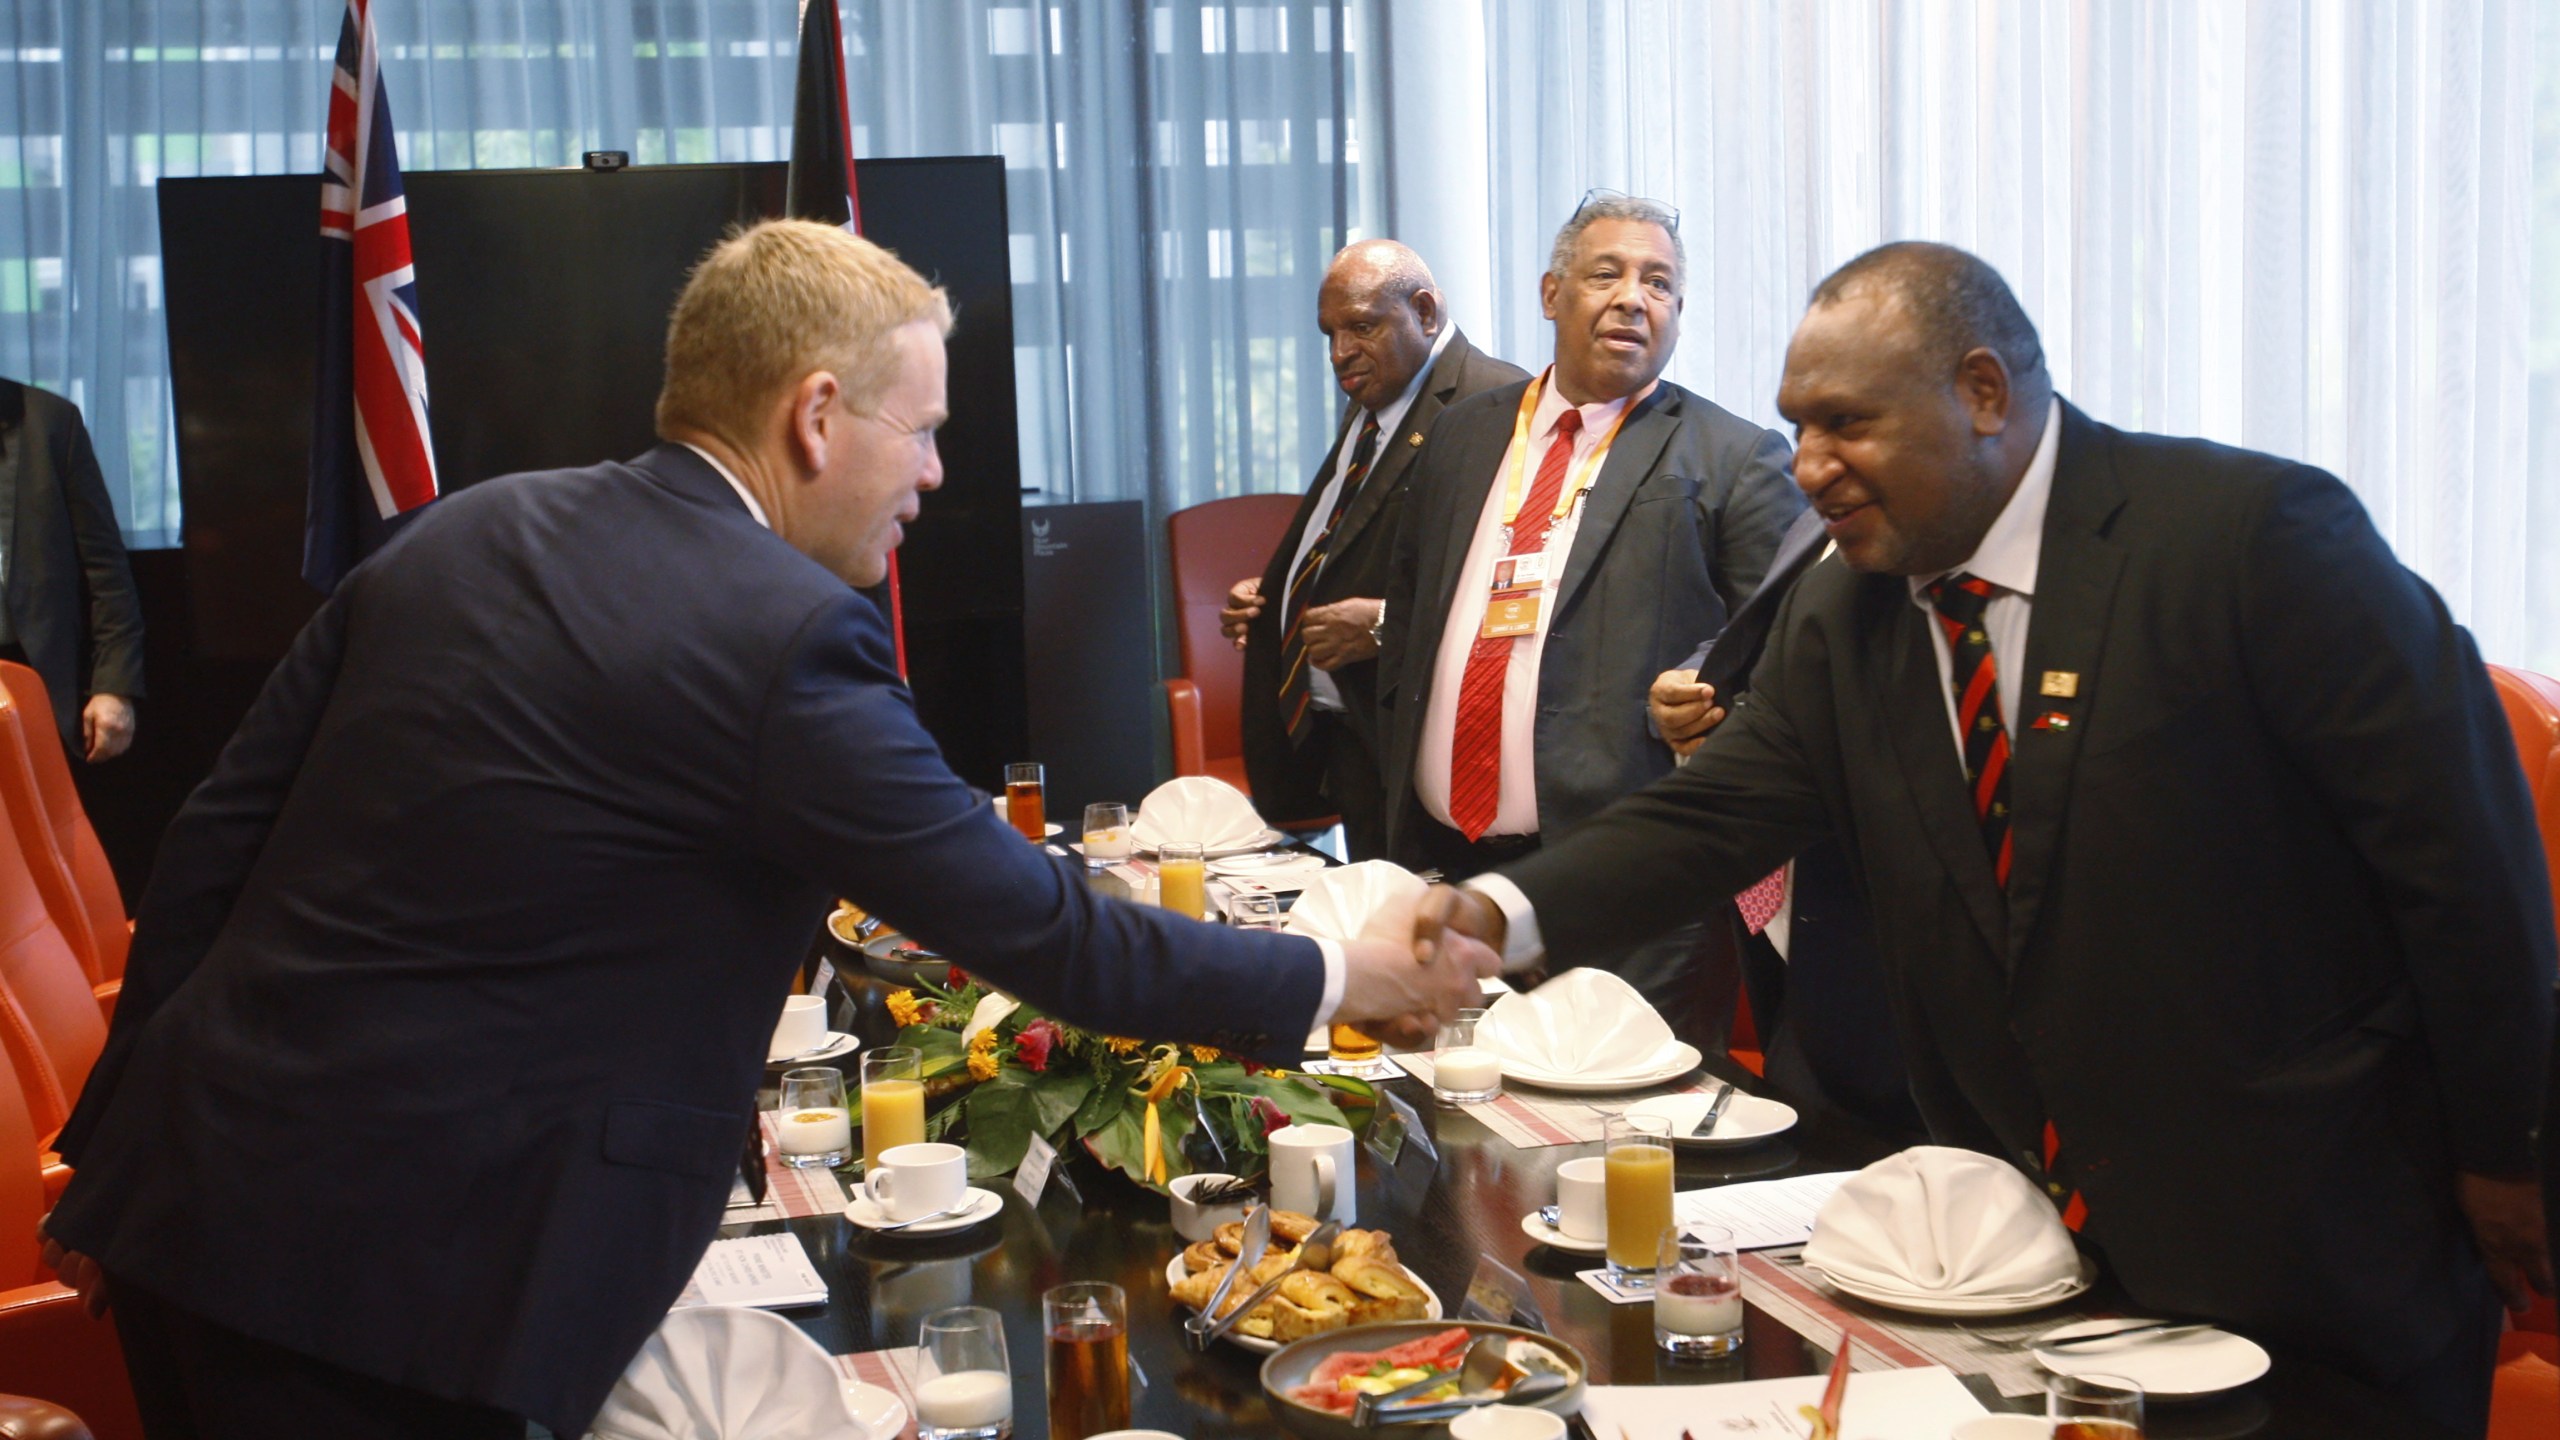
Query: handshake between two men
x: 1417, y: 964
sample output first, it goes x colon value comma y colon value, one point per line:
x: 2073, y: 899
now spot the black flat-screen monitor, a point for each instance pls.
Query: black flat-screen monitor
x: 543, y: 297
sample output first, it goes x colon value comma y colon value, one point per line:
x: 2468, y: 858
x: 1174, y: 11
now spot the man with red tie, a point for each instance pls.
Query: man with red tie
x: 1570, y: 538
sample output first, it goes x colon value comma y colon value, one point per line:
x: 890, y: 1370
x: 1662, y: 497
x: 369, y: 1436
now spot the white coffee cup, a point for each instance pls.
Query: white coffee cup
x: 913, y: 1181
x: 1311, y: 1172
x: 1582, y: 1198
x: 1507, y: 1422
x: 802, y: 1028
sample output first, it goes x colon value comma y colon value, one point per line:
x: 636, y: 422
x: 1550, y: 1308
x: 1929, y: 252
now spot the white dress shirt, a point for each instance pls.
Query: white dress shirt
x: 1516, y: 811
x: 1321, y: 691
x: 2007, y: 557
x: 1336, y: 967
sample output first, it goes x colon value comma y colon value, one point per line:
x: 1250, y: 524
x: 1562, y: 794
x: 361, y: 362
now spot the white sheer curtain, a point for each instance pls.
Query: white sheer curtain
x: 1180, y: 172
x: 2302, y: 227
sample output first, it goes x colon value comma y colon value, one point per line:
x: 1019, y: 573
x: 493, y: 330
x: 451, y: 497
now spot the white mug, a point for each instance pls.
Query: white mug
x: 1582, y: 1198
x: 912, y: 1181
x: 802, y: 1028
x: 1311, y: 1172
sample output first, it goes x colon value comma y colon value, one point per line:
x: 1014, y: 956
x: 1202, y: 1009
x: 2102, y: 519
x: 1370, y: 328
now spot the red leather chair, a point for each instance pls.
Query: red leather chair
x: 2527, y: 1384
x: 1214, y: 545
x: 50, y: 1024
x: 49, y: 1347
x: 95, y: 923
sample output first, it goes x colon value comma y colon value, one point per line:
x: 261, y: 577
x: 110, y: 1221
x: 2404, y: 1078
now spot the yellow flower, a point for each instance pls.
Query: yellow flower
x: 1204, y: 1053
x: 982, y: 1064
x: 903, y: 1008
x: 1123, y: 1045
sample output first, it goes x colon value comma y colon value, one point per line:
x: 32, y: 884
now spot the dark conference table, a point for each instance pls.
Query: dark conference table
x: 1444, y: 1219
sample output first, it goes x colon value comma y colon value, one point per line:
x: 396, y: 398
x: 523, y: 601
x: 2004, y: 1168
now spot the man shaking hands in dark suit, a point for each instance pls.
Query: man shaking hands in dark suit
x: 2205, y: 877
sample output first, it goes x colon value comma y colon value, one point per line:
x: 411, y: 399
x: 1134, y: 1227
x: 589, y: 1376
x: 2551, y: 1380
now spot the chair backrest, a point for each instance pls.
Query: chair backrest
x: 97, y: 927
x: 49, y: 1018
x: 2533, y: 710
x: 1214, y: 545
x: 22, y: 1201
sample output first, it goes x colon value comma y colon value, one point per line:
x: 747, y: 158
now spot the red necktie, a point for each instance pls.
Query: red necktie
x: 1475, y: 745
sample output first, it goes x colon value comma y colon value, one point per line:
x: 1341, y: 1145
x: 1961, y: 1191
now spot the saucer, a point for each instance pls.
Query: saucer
x: 879, y: 1412
x: 1546, y: 1234
x: 864, y: 1215
x: 838, y: 1043
x: 1747, y: 1119
x: 2206, y: 1363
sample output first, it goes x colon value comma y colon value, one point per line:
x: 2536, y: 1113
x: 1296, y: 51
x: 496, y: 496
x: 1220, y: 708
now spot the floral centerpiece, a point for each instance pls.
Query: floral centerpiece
x: 1151, y: 1111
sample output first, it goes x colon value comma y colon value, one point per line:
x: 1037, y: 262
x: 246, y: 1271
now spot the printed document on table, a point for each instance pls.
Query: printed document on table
x: 1921, y: 1404
x: 767, y: 1272
x: 1762, y: 1214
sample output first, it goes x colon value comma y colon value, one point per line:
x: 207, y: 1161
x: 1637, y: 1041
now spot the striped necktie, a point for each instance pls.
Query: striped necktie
x: 1295, y: 696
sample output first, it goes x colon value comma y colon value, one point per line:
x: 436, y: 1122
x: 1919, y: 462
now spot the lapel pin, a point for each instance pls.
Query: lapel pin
x: 2061, y: 684
x: 2051, y: 720
x: 1414, y: 440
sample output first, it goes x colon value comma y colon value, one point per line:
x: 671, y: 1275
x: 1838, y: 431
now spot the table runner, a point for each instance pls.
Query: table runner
x: 1534, y: 1119
x: 892, y: 1370
x: 789, y: 1194
x: 1886, y: 1340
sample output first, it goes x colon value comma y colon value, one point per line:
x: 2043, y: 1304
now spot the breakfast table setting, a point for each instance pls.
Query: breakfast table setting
x: 1561, y: 1220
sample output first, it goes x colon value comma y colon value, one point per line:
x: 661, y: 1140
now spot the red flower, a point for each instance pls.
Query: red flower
x: 1033, y: 1044
x: 957, y: 979
x: 1271, y: 1116
x: 1250, y: 1068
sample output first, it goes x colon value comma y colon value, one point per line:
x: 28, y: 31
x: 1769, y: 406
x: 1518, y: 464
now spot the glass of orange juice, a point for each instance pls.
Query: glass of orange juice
x: 892, y: 1101
x: 1182, y: 879
x: 1638, y: 1193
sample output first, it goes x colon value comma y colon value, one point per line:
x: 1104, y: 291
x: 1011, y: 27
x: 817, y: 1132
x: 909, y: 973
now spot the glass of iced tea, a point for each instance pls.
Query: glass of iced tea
x: 892, y: 1101
x: 2093, y: 1407
x: 1637, y: 1189
x: 1087, y: 1325
x: 1348, y: 1047
x: 1025, y: 785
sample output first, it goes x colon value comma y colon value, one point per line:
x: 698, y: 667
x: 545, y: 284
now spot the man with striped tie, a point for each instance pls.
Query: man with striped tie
x: 1310, y: 667
x: 2205, y: 878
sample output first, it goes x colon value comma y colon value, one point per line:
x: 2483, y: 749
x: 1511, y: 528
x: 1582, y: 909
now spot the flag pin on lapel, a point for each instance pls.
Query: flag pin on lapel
x: 2061, y: 684
x: 2051, y: 720
x: 1414, y: 440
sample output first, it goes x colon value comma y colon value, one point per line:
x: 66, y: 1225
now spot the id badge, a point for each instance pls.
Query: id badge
x: 1511, y: 613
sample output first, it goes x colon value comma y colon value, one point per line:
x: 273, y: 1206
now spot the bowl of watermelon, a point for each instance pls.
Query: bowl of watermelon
x: 1314, y: 1383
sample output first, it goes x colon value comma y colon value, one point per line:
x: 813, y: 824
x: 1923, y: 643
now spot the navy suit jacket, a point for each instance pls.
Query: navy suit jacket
x: 451, y: 990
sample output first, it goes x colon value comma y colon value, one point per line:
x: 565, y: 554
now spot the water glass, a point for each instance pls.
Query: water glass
x: 1025, y: 802
x: 964, y: 1387
x: 813, y: 1122
x: 1087, y: 1325
x: 1638, y: 1148
x: 1257, y: 912
x: 1463, y: 1072
x: 892, y: 1101
x: 2093, y: 1407
x: 1697, y: 1293
x: 1106, y: 834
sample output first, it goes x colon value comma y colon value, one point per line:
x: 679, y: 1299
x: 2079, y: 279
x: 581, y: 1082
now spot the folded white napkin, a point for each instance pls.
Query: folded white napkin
x: 1934, y: 1222
x: 1337, y: 904
x: 718, y: 1372
x: 1198, y: 808
x: 1584, y: 1024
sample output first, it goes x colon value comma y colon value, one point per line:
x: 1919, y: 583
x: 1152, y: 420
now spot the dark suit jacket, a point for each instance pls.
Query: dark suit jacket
x: 451, y: 989
x: 1358, y: 560
x: 1677, y: 529
x: 2275, y: 955
x: 70, y: 591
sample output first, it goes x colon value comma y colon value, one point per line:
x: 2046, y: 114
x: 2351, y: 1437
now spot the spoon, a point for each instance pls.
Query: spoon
x: 1485, y: 1362
x: 967, y: 1202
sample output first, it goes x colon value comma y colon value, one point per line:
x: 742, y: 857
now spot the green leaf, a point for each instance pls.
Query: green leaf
x: 1000, y: 1112
x: 942, y: 1050
x: 1057, y: 1096
x: 1120, y: 1142
x: 1109, y: 1098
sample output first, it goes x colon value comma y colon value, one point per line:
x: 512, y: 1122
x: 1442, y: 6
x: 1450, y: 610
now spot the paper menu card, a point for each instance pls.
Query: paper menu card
x: 1922, y: 1404
x: 764, y: 1272
x: 1762, y: 1214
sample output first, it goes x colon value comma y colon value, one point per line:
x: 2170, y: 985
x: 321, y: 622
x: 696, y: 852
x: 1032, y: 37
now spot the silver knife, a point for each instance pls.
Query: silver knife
x: 1715, y: 1110
x: 2144, y: 1333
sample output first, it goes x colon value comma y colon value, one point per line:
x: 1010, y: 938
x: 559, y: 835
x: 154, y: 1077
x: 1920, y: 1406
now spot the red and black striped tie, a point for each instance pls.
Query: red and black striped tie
x: 1294, y: 694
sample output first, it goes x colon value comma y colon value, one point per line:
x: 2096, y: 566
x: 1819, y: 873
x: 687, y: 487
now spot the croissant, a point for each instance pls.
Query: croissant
x: 1310, y: 1302
x: 1381, y: 1290
x: 1374, y: 1244
x: 1205, y: 1256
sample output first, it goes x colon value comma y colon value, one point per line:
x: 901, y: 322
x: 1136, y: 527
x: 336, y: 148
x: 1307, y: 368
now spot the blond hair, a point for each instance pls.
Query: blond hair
x: 775, y: 302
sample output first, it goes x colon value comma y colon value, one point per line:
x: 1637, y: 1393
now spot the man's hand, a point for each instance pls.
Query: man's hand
x: 1386, y: 993
x: 2506, y: 1222
x: 1244, y: 602
x: 1338, y: 634
x: 1683, y: 710
x: 1458, y: 920
x: 106, y: 726
x: 77, y: 1271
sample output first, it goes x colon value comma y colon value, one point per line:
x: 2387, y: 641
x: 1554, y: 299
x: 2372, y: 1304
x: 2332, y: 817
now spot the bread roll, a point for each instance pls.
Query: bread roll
x: 1382, y: 1290
x: 1309, y: 1303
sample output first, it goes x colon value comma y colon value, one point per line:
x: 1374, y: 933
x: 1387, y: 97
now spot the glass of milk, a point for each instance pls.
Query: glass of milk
x: 1463, y: 1072
x: 812, y: 1123
x: 964, y: 1388
x: 1697, y: 1293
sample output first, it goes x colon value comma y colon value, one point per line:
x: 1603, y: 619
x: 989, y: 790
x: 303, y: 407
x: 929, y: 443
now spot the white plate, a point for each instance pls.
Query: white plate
x: 2202, y: 1364
x: 1748, y: 1119
x: 1175, y: 1271
x: 880, y: 1413
x: 1263, y: 841
x: 1686, y: 1060
x: 1546, y: 1234
x: 983, y: 1204
x: 837, y: 1044
x: 1970, y: 1307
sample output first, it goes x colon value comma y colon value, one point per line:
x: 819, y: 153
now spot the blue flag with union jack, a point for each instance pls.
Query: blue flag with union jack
x: 371, y: 461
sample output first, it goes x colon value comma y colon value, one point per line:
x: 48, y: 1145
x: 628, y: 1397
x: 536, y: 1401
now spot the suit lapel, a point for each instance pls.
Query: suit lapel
x: 1275, y: 576
x: 1397, y: 452
x: 1468, y: 480
x: 1631, y: 459
x: 1904, y: 672
x: 2066, y: 634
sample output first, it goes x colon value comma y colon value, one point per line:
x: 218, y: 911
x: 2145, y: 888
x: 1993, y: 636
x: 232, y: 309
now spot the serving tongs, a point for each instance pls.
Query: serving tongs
x: 1538, y: 1387
x: 1202, y: 1331
x: 1486, y: 1361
